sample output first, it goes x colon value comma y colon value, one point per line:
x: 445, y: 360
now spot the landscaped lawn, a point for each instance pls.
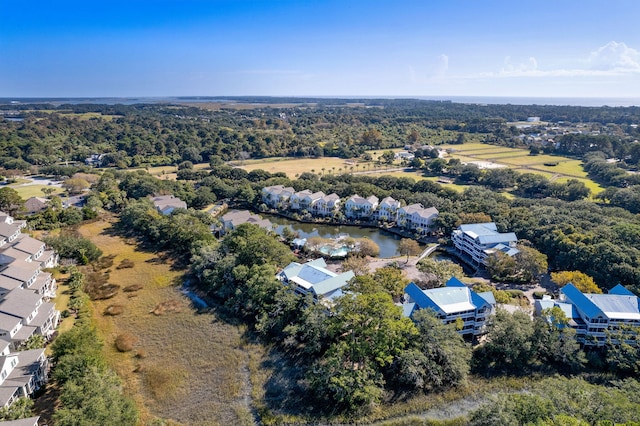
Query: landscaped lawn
x: 29, y: 191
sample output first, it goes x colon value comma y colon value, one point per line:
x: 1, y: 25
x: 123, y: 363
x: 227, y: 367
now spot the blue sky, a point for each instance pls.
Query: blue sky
x: 557, y: 48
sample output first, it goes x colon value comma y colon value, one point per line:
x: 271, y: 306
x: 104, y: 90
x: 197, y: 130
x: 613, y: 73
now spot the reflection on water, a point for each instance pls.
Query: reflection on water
x: 387, y: 242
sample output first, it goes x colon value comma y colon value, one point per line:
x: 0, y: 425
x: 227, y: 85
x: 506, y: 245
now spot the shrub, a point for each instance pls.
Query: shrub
x: 539, y: 294
x: 74, y: 246
x: 133, y: 287
x: 113, y: 310
x: 124, y: 264
x: 125, y: 342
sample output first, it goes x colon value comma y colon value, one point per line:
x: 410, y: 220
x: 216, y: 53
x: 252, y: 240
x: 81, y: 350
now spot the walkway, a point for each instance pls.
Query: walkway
x: 427, y: 252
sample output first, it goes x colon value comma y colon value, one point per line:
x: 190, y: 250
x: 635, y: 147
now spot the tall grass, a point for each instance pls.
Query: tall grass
x: 195, y: 366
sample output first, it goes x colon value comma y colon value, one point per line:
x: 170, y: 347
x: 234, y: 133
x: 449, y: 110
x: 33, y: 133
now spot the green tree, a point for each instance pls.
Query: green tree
x: 440, y: 357
x: 10, y: 200
x: 623, y: 349
x: 392, y: 281
x: 95, y: 398
x: 510, y: 344
x: 252, y: 245
x: 556, y: 341
x: 387, y: 157
x: 368, y: 331
x: 359, y: 265
x: 75, y: 185
x: 35, y: 341
x: 21, y: 408
x: 409, y: 247
x: 438, y: 272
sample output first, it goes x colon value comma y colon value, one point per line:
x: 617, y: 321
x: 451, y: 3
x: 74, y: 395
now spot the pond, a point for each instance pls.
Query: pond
x: 387, y: 241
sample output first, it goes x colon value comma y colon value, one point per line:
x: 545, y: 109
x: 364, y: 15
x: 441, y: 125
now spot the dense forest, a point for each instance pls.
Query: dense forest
x: 168, y: 134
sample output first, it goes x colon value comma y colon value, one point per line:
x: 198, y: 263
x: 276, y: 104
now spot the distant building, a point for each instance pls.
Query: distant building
x: 277, y: 196
x: 358, y: 207
x: 235, y: 218
x: 453, y: 302
x: 416, y: 217
x: 166, y: 204
x: 388, y: 210
x: 327, y: 205
x: 35, y: 205
x: 480, y: 240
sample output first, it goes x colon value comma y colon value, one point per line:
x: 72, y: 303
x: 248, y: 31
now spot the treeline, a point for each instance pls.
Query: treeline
x: 134, y: 135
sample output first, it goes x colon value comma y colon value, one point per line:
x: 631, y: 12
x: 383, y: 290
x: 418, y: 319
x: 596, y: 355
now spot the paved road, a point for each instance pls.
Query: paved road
x: 40, y: 181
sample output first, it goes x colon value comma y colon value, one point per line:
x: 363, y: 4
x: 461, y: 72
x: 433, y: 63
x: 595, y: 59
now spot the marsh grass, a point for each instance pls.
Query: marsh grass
x: 192, y: 367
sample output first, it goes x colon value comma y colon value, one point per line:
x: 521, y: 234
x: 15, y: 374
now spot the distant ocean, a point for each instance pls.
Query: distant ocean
x: 590, y: 102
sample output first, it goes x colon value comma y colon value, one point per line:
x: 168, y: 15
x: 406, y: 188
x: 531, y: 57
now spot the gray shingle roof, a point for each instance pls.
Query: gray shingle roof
x: 7, y: 230
x: 20, y: 303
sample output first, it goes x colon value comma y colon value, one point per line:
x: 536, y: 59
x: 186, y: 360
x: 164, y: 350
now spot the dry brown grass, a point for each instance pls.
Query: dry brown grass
x: 200, y: 360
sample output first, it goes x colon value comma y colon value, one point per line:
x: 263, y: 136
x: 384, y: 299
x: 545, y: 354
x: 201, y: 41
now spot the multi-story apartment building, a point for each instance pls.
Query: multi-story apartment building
x: 480, y: 240
x: 452, y: 303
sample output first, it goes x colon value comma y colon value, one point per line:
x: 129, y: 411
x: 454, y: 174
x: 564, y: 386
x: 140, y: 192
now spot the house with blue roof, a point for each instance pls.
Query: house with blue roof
x: 454, y: 300
x: 592, y: 315
x: 314, y: 278
x: 480, y: 240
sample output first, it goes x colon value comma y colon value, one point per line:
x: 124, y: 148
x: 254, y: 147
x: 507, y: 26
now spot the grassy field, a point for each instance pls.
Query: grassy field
x: 521, y: 161
x: 188, y: 367
x: 28, y: 191
x: 297, y: 166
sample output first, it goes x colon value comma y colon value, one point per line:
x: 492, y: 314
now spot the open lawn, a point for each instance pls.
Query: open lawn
x: 28, y: 191
x: 80, y: 116
x: 187, y: 366
x: 502, y: 154
x: 297, y: 166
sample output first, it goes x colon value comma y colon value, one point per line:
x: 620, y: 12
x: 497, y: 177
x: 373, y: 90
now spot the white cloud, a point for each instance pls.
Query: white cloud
x: 530, y: 65
x: 442, y: 66
x: 615, y: 56
x: 611, y: 59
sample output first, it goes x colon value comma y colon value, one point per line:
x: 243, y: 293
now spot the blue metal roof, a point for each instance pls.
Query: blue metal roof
x: 454, y: 282
x: 621, y: 290
x: 420, y: 299
x: 582, y: 302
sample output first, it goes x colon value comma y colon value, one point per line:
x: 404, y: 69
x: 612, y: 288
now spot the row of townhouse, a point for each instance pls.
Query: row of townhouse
x: 413, y: 217
x: 593, y: 316
x: 25, y: 309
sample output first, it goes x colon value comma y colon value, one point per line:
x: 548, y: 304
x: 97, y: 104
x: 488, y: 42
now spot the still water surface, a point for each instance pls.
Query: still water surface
x: 387, y: 241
